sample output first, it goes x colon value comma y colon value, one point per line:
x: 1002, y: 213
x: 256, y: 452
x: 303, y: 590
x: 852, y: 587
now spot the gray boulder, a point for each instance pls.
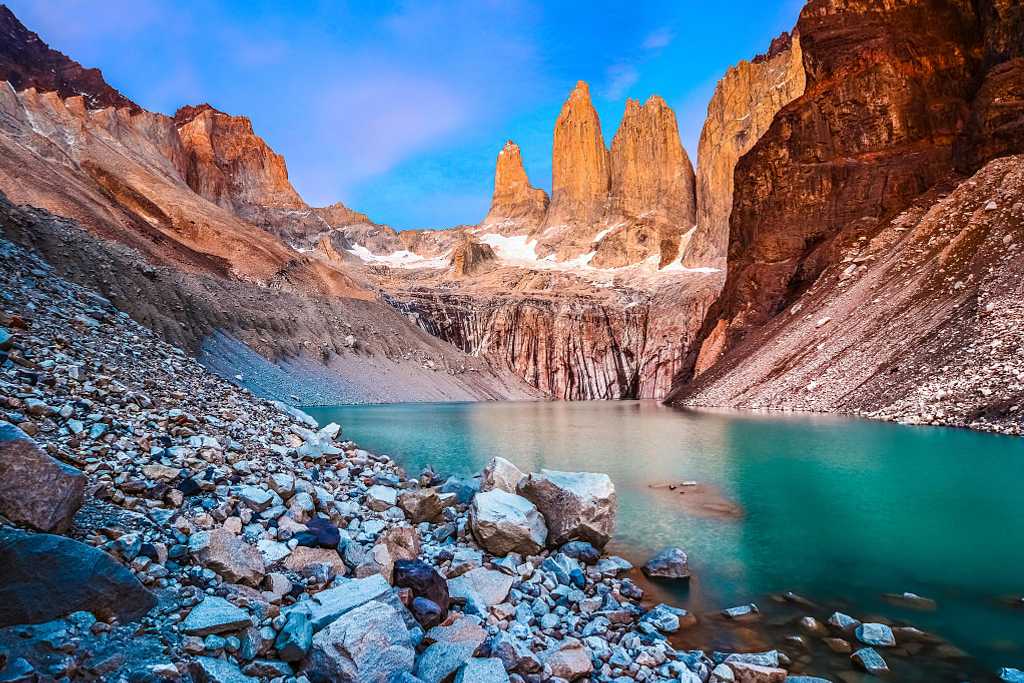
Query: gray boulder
x: 369, y: 644
x: 481, y: 588
x: 46, y: 577
x: 504, y: 523
x: 228, y: 555
x: 489, y: 670
x: 329, y: 605
x: 439, y: 661
x: 502, y: 475
x: 868, y: 659
x: 35, y: 489
x: 576, y: 505
x: 670, y: 563
x: 213, y: 670
x: 878, y: 635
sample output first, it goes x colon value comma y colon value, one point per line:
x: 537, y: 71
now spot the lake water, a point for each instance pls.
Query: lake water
x: 840, y: 511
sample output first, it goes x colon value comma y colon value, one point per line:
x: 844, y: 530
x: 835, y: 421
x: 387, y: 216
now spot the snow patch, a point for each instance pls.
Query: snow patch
x: 400, y: 259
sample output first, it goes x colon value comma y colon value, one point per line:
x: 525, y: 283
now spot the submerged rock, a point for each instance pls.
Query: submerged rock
x: 46, y: 577
x: 868, y: 659
x: 670, y: 563
x: 503, y: 523
x: 35, y: 489
x: 576, y: 505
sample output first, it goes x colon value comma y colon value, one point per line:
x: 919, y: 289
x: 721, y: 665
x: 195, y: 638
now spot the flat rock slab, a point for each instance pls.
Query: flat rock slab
x: 441, y: 660
x: 489, y: 670
x: 215, y: 615
x: 486, y: 585
x: 46, y: 577
x: 328, y: 605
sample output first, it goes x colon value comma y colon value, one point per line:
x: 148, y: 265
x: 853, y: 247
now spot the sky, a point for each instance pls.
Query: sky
x: 399, y: 109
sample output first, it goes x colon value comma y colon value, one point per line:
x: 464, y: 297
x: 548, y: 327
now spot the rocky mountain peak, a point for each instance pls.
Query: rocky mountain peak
x: 515, y: 201
x: 741, y: 110
x: 28, y: 62
x: 229, y: 164
x: 580, y: 167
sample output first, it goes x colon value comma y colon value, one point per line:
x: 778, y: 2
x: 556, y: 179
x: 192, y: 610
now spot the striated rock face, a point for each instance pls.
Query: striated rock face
x: 27, y: 62
x: 742, y: 108
x: 580, y: 176
x: 652, y: 183
x: 569, y: 339
x: 829, y: 162
x: 515, y: 201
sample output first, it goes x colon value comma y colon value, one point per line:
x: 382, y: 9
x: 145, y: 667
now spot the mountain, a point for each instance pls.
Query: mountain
x: 515, y: 202
x: 27, y: 62
x: 899, y: 104
x: 190, y: 224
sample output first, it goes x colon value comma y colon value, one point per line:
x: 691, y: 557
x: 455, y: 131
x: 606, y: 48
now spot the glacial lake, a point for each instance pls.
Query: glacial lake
x: 840, y: 511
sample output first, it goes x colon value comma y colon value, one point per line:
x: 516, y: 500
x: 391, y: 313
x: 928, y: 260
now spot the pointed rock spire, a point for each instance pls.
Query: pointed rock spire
x: 514, y: 199
x: 580, y: 174
x: 650, y: 170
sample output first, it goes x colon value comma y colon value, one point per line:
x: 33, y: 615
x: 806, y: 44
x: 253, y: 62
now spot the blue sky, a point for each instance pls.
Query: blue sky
x: 399, y: 109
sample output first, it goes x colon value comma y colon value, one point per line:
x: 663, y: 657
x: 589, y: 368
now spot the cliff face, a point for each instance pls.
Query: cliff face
x: 652, y: 185
x: 515, y: 202
x: 888, y: 89
x: 920, y: 323
x: 229, y: 164
x: 866, y: 273
x: 742, y: 108
x: 27, y: 62
x: 567, y: 339
x: 579, y: 169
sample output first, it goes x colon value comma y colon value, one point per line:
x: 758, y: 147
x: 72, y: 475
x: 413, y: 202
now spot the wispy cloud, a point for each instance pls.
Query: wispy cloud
x: 620, y: 78
x: 658, y: 39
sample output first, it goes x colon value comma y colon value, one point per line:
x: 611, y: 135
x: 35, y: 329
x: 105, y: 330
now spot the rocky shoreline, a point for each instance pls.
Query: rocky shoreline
x: 162, y: 524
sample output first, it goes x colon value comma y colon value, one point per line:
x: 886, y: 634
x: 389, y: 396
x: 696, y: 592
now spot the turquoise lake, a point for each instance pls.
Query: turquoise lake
x: 838, y: 510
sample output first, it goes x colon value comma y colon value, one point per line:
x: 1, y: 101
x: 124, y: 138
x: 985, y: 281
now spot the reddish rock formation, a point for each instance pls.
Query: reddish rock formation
x: 564, y: 336
x: 888, y: 89
x: 652, y: 185
x: 580, y: 176
x: 229, y: 164
x: 515, y: 204
x: 742, y: 108
x: 921, y: 322
x: 471, y: 257
x: 27, y: 62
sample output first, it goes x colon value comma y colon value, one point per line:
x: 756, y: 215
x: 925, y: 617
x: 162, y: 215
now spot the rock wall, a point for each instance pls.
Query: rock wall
x: 742, y: 108
x: 585, y: 346
x: 888, y: 89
